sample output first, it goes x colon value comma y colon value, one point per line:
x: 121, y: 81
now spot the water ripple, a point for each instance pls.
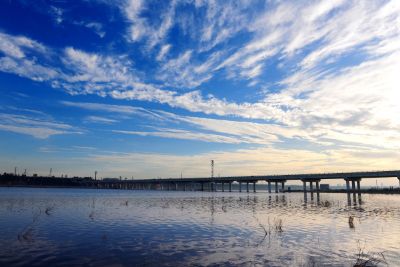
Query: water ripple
x: 42, y: 227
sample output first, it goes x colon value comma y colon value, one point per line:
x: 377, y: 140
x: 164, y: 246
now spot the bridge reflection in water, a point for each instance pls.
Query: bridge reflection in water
x: 353, y: 181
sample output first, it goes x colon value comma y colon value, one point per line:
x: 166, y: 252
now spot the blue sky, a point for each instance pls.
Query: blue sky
x: 159, y: 88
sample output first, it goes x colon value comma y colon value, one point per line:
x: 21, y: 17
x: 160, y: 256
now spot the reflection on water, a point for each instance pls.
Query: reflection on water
x: 44, y: 227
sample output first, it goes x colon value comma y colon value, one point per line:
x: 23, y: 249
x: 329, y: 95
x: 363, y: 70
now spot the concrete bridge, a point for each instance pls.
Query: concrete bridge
x: 353, y: 180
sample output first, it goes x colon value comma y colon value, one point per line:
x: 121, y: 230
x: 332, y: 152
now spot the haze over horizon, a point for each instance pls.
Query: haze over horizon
x: 150, y: 89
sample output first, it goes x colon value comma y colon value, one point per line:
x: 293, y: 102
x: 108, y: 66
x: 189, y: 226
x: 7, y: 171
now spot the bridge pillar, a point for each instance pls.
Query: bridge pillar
x: 305, y: 190
x: 276, y: 187
x: 311, y: 190
x: 240, y: 186
x: 317, y: 189
x: 348, y: 191
x: 223, y: 186
x: 230, y: 186
x: 283, y: 186
x: 353, y: 190
x: 202, y: 186
x: 247, y: 187
x: 269, y: 187
x: 254, y: 187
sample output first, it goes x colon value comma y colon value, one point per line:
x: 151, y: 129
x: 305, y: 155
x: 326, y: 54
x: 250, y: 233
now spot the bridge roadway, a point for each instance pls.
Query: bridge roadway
x: 285, y: 177
x: 211, y: 184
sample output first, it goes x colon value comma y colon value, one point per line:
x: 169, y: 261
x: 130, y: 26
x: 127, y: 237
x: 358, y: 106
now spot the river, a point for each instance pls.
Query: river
x: 90, y: 227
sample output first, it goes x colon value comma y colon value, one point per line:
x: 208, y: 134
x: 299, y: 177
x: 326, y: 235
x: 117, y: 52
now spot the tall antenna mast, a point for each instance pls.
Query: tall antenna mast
x: 51, y: 170
x: 212, y: 168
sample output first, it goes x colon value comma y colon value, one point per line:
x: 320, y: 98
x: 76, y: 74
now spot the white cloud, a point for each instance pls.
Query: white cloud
x: 186, y: 135
x: 140, y: 28
x: 57, y: 13
x: 132, y: 10
x: 36, y: 127
x: 98, y: 119
x: 119, y: 109
x: 18, y: 46
x: 97, y: 28
x: 163, y: 52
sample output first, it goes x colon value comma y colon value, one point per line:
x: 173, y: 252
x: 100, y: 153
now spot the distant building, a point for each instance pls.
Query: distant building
x: 324, y: 186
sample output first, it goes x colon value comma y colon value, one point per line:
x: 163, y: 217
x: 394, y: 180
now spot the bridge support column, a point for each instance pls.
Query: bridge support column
x: 305, y: 190
x: 283, y: 186
x: 230, y: 186
x: 240, y: 186
x: 317, y: 189
x: 202, y: 186
x: 353, y: 190
x: 276, y: 187
x: 247, y: 187
x: 269, y: 187
x: 223, y: 186
x: 348, y: 192
x: 311, y: 190
x: 254, y: 187
x: 359, y: 190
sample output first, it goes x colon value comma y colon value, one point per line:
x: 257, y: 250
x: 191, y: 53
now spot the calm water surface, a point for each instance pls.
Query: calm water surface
x: 48, y: 227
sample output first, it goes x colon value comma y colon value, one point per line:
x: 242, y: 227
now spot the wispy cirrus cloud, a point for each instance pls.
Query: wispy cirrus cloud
x: 187, y: 135
x: 99, y: 119
x: 33, y: 126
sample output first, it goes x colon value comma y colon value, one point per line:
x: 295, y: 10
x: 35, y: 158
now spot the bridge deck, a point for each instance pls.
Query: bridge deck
x: 315, y: 176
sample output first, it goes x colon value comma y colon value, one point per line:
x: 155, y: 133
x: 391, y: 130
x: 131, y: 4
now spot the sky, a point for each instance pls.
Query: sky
x: 149, y: 89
